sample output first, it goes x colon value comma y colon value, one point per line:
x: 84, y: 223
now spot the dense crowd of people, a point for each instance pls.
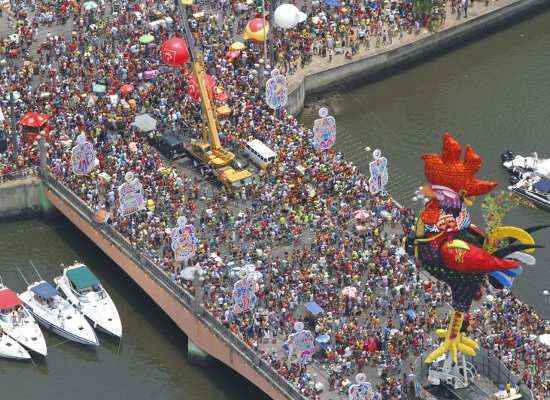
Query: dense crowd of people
x: 293, y: 228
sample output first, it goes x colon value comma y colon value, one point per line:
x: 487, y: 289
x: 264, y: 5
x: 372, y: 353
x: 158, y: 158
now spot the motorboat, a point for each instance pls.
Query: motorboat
x: 19, y: 324
x: 517, y: 165
x: 529, y: 177
x: 9, y: 348
x: 82, y: 288
x: 58, y: 315
x: 534, y: 188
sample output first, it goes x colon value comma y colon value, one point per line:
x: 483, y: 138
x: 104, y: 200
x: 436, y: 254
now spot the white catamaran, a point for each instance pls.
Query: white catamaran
x: 58, y: 315
x: 19, y: 324
x: 83, y: 289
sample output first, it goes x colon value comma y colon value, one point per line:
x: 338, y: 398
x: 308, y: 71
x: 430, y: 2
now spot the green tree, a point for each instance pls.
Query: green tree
x: 423, y: 6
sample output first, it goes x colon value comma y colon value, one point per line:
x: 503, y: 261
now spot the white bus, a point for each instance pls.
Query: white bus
x: 259, y: 153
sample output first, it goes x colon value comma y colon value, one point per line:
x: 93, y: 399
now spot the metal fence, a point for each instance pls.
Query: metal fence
x: 20, y: 174
x: 179, y: 293
x: 485, y: 364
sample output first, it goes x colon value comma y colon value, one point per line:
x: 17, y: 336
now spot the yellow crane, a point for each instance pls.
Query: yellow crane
x: 209, y: 150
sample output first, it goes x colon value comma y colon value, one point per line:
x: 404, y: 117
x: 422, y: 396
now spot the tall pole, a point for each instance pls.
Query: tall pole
x: 13, y: 126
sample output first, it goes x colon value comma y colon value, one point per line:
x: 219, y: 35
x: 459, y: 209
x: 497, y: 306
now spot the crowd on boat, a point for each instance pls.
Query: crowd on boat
x: 295, y: 225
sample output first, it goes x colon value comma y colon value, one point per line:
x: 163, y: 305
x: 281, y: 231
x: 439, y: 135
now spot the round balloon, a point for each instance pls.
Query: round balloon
x: 174, y: 52
x: 256, y: 29
x: 288, y: 16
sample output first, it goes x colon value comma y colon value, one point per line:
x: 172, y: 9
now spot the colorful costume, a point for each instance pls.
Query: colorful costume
x: 450, y: 247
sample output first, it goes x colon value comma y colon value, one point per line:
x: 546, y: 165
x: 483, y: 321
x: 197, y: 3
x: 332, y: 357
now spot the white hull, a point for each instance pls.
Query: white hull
x: 62, y: 319
x: 27, y: 333
x: 101, y: 312
x: 9, y: 348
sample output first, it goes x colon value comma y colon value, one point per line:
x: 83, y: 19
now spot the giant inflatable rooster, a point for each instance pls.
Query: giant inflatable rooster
x: 454, y: 250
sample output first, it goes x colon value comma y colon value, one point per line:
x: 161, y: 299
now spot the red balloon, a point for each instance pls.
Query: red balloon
x: 174, y: 52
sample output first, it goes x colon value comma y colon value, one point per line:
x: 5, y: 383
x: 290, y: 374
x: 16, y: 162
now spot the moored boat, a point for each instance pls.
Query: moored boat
x: 19, y: 324
x: 82, y: 288
x: 58, y: 315
x: 9, y: 348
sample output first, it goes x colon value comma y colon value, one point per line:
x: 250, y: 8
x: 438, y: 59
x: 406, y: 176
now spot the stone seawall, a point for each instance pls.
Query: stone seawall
x: 382, y: 64
x: 23, y: 198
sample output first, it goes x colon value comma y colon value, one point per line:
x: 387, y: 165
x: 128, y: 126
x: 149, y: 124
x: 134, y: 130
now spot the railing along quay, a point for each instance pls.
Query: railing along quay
x: 183, y: 296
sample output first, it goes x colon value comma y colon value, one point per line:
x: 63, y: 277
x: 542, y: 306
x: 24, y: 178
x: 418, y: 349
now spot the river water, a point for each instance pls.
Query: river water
x: 492, y: 94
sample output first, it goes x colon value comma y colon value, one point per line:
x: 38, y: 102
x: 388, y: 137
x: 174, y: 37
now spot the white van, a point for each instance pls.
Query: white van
x: 259, y: 153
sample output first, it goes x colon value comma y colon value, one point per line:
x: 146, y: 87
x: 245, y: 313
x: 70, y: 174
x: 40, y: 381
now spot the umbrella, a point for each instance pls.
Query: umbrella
x: 189, y: 273
x: 144, y: 123
x: 545, y: 339
x: 323, y: 339
x: 361, y: 215
x: 332, y: 3
x: 127, y: 88
x: 411, y: 313
x: 33, y: 120
x: 98, y: 88
x: 349, y: 291
x: 89, y: 5
x: 146, y: 39
x: 237, y: 43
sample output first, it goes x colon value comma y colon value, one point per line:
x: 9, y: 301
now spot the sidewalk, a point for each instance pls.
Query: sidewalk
x: 319, y: 64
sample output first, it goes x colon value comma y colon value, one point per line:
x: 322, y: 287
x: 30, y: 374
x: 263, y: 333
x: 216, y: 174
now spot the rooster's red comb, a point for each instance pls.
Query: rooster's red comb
x: 449, y: 170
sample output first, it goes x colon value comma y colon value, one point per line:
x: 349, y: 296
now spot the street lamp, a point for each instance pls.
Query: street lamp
x: 546, y: 294
x: 13, y: 126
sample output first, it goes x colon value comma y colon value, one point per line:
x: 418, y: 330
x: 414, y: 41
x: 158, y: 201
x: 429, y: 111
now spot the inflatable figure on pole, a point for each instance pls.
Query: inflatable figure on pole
x: 83, y: 156
x: 244, y: 295
x: 184, y: 241
x: 457, y: 252
x: 378, y: 173
x: 301, y: 343
x: 324, y: 130
x: 362, y: 390
x: 130, y: 195
x: 276, y: 90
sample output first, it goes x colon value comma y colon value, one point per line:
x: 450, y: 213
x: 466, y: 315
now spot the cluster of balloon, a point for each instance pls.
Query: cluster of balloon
x: 287, y: 16
x: 257, y: 30
x: 174, y: 52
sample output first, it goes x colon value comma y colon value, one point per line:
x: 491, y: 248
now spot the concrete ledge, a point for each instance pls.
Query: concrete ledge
x: 383, y: 64
x: 23, y: 198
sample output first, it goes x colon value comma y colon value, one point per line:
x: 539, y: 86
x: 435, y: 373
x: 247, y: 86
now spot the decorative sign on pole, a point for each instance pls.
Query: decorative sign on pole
x: 378, y: 172
x: 130, y: 195
x: 244, y: 295
x: 324, y: 130
x: 83, y: 156
x: 276, y: 90
x: 184, y: 240
x: 362, y: 390
x: 302, y: 344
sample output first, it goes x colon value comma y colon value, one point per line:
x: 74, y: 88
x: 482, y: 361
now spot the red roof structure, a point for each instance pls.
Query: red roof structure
x: 8, y: 299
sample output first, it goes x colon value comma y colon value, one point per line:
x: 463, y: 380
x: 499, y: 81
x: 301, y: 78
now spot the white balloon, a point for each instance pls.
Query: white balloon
x: 288, y: 16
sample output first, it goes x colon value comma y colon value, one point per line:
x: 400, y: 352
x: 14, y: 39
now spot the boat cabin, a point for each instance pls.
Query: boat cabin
x: 11, y: 308
x: 44, y: 293
x: 83, y: 281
